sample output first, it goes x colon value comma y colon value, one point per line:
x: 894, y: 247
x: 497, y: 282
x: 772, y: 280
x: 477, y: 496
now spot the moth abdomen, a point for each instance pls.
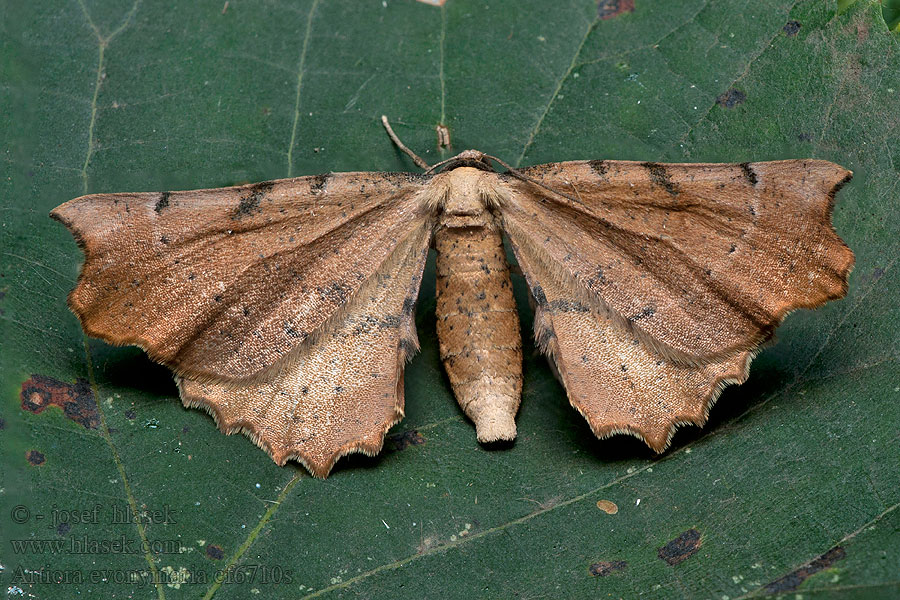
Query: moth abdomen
x: 478, y: 328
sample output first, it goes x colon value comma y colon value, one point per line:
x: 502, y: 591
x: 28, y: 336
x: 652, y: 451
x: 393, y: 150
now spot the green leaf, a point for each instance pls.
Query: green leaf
x: 890, y: 9
x: 793, y: 485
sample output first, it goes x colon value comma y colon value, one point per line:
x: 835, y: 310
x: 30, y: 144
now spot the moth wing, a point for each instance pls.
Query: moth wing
x: 671, y: 273
x: 339, y: 394
x: 700, y: 260
x: 614, y: 379
x: 223, y: 283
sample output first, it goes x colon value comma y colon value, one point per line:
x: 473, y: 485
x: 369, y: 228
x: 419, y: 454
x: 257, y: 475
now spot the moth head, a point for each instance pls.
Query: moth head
x: 464, y: 197
x: 467, y: 158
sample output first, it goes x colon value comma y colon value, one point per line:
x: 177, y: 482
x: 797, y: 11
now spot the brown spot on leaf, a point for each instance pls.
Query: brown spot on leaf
x: 607, y: 506
x: 426, y: 544
x: 731, y: 98
x: 35, y: 458
x: 215, y: 552
x: 604, y: 568
x: 793, y: 580
x: 608, y: 9
x: 791, y: 28
x: 402, y: 441
x: 76, y: 400
x: 681, y: 548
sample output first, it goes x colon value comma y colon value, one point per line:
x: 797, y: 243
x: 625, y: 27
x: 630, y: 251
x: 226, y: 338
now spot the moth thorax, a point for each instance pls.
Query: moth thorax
x: 469, y: 198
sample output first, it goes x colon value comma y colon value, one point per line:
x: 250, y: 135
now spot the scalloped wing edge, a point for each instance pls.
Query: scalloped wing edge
x: 370, y: 445
x: 545, y: 340
x: 699, y: 419
x: 320, y: 470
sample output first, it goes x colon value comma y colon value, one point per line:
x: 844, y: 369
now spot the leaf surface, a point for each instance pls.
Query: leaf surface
x: 103, y: 96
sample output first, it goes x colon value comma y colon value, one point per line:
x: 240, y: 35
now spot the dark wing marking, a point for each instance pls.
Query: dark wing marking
x: 700, y: 260
x: 222, y: 283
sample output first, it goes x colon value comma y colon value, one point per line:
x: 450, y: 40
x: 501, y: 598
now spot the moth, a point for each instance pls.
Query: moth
x: 286, y: 308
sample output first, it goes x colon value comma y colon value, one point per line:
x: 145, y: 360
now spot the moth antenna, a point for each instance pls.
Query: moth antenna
x: 519, y: 175
x: 416, y: 158
x: 440, y: 164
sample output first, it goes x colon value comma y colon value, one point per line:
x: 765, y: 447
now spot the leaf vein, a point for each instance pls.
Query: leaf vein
x: 301, y: 68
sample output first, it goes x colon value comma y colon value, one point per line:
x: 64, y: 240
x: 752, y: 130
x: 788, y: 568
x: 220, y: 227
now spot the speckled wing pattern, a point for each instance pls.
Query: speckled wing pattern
x: 339, y: 394
x: 655, y: 283
x: 283, y: 307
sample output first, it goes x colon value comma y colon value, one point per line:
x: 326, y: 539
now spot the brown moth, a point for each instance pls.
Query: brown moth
x: 286, y: 308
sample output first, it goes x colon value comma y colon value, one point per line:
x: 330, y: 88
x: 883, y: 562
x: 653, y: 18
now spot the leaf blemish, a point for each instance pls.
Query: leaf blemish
x: 608, y: 9
x: 35, y: 458
x: 793, y: 580
x: 402, y: 441
x: 731, y: 98
x: 215, y: 552
x: 75, y: 400
x: 681, y: 548
x: 607, y: 506
x: 791, y: 28
x: 604, y: 568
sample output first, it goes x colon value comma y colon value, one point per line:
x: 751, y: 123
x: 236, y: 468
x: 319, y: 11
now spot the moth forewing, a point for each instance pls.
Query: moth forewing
x: 702, y: 260
x: 222, y: 283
